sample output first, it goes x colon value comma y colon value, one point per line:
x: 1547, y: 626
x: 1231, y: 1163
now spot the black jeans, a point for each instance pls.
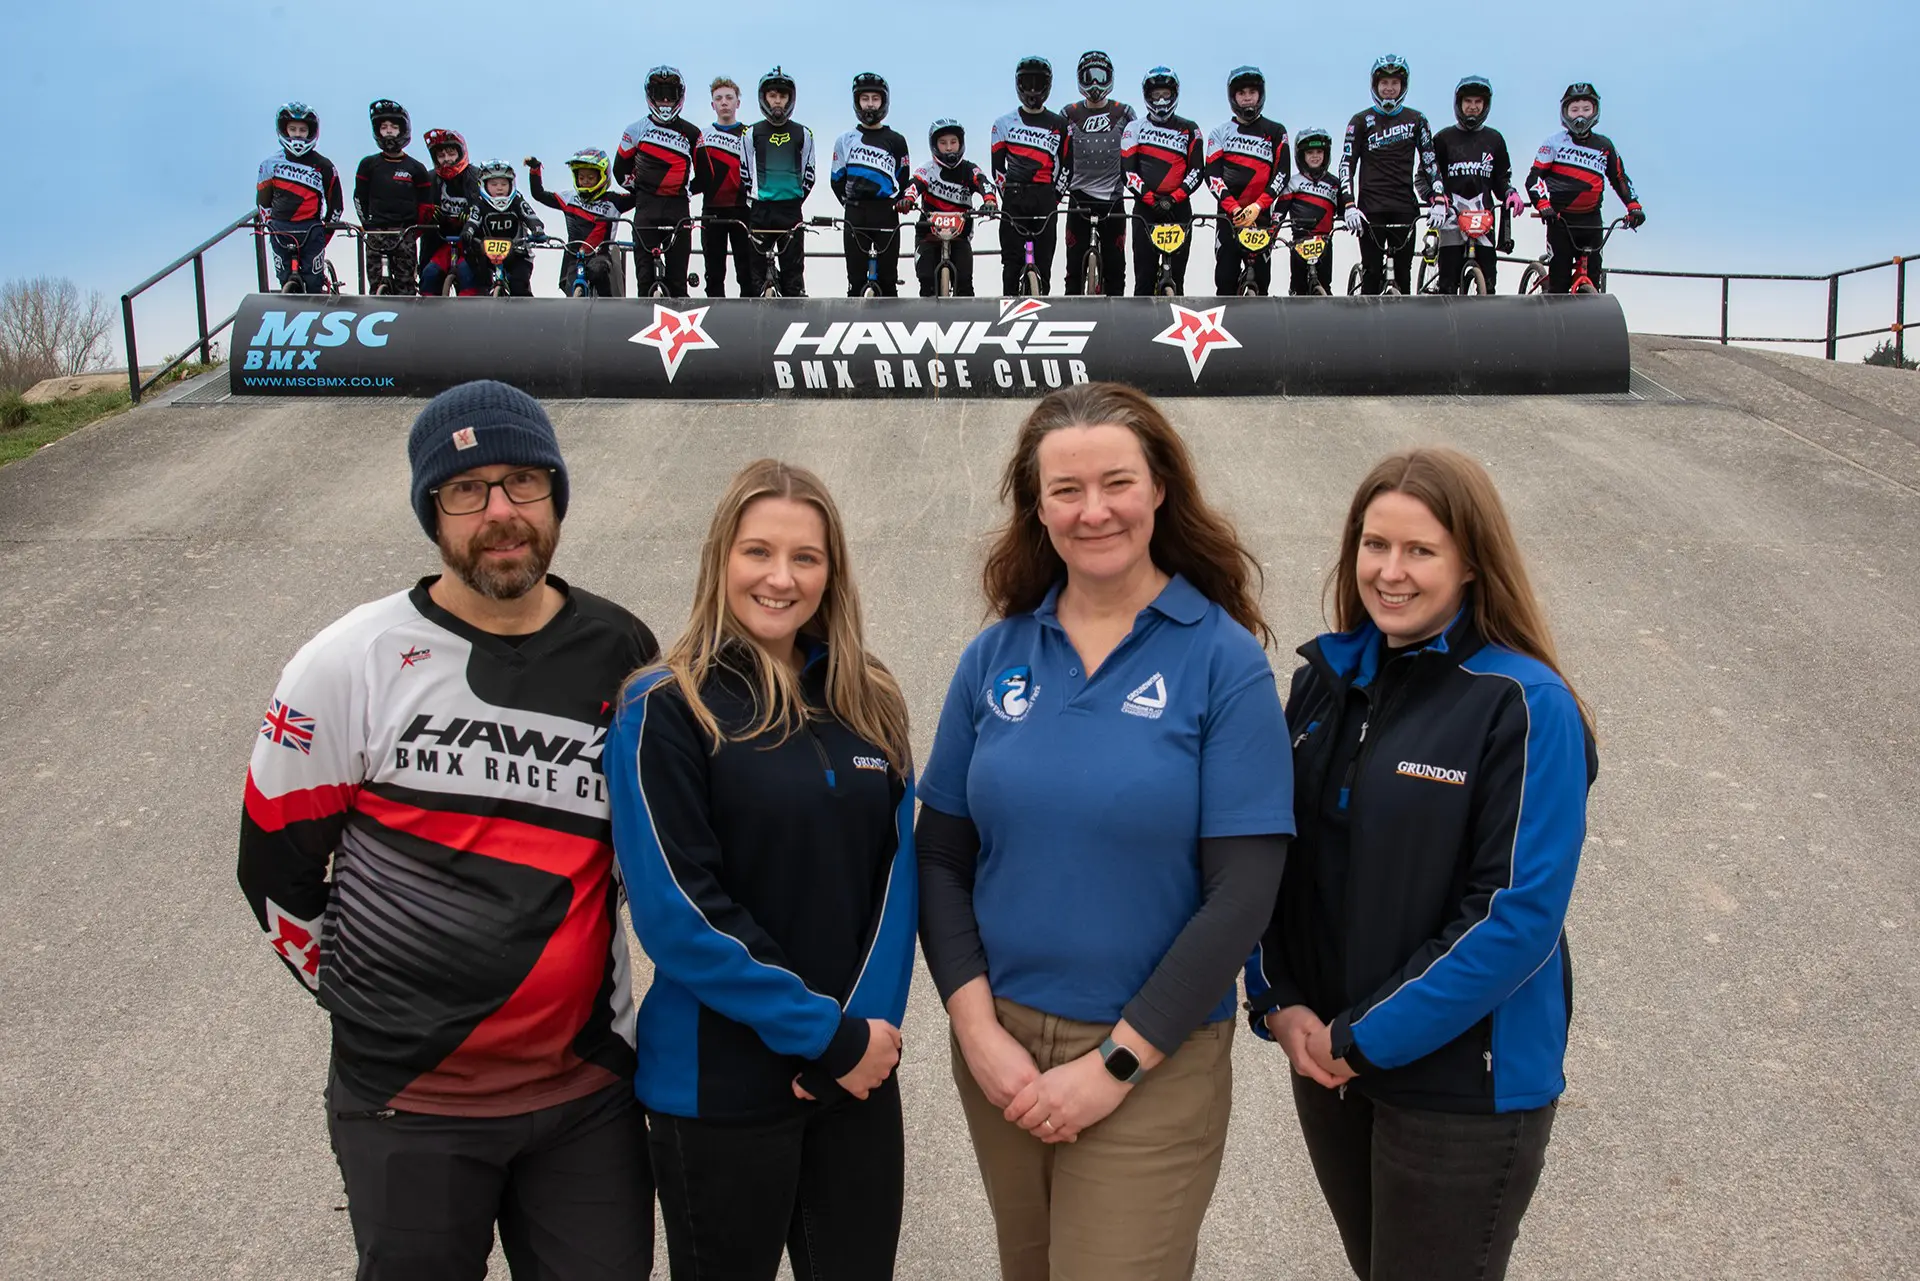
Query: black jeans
x: 1421, y: 1195
x: 1108, y: 219
x: 722, y: 230
x: 569, y: 1186
x: 825, y: 1187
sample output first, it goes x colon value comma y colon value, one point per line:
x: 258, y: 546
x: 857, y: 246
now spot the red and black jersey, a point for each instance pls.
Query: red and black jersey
x: 467, y: 940
x: 1572, y: 174
x: 1308, y: 203
x: 719, y: 159
x: 657, y: 159
x: 589, y: 221
x: 1032, y: 149
x: 306, y: 189
x: 392, y: 192
x: 1247, y: 164
x: 940, y: 190
x: 1164, y: 159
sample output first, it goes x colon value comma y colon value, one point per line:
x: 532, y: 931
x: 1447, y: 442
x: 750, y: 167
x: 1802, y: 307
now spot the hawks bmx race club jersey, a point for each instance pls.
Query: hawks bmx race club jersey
x: 467, y: 943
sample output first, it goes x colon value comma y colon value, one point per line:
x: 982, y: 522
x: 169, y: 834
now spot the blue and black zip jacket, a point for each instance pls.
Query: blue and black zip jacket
x: 1441, y: 793
x: 772, y: 883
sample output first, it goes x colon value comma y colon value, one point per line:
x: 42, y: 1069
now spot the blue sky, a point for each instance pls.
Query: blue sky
x: 1762, y: 136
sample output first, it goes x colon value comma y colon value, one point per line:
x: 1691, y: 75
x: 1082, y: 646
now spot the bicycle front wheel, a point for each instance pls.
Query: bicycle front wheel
x: 1094, y: 285
x: 1534, y: 279
x: 1428, y: 273
x: 1474, y: 280
x: 943, y: 281
x: 1353, y: 280
x: 1030, y: 283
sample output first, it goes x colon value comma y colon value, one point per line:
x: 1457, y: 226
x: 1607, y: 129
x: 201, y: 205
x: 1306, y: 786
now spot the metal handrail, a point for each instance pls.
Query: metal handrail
x: 196, y: 256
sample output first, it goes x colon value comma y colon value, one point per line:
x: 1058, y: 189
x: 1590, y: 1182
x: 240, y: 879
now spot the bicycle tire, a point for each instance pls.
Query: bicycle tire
x: 1584, y: 287
x: 1093, y: 285
x: 293, y: 286
x: 1534, y: 279
x: 943, y: 281
x: 1473, y: 281
x: 450, y: 287
x: 1353, y: 281
x: 1429, y: 274
x: 1030, y: 282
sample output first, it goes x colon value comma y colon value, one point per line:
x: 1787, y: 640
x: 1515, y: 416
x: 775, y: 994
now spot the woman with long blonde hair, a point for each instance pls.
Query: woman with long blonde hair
x: 762, y: 797
x: 1416, y: 969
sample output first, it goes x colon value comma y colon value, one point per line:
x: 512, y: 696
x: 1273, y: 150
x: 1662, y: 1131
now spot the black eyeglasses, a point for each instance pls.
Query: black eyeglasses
x: 465, y: 497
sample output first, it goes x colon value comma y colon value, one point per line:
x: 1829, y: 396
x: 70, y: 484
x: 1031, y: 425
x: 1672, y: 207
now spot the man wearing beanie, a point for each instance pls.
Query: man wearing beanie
x: 425, y: 842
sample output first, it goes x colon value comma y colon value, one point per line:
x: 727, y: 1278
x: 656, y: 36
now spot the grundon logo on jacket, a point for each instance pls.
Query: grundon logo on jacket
x: 1014, y: 694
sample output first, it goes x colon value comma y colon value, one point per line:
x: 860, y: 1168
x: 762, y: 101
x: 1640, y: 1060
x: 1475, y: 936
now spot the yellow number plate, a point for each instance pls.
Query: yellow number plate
x: 497, y: 249
x: 1310, y: 250
x: 1254, y: 239
x: 1167, y: 237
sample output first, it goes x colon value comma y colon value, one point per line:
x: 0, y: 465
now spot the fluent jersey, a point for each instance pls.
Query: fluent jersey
x: 1032, y: 149
x: 1091, y: 794
x: 1387, y: 167
x: 1309, y: 203
x: 870, y: 164
x: 719, y: 158
x: 1572, y: 174
x: 777, y: 162
x: 392, y: 191
x: 467, y: 942
x: 657, y: 159
x: 306, y: 189
x: 1094, y: 137
x: 1165, y: 159
x: 1247, y: 164
x: 590, y: 221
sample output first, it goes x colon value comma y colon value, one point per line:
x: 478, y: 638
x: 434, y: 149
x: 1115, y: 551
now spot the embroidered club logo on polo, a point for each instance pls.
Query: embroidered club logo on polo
x: 1014, y: 693
x: 1150, y: 700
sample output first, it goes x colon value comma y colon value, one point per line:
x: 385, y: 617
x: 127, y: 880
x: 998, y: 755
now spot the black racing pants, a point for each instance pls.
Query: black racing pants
x: 1107, y: 219
x: 1027, y: 213
x: 872, y: 225
x: 1228, y: 254
x: 926, y: 262
x: 1567, y: 235
x: 661, y: 221
x: 1420, y: 1195
x: 568, y: 1185
x: 824, y: 1187
x: 1451, y: 263
x: 1393, y: 237
x: 391, y: 261
x: 721, y: 230
x: 1146, y: 259
x: 778, y: 215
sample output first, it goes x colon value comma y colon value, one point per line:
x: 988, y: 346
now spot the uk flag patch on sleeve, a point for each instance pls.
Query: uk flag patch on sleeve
x: 288, y: 728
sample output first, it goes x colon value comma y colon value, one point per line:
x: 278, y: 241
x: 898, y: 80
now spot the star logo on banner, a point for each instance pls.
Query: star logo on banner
x: 1020, y: 308
x: 673, y: 334
x: 1198, y: 334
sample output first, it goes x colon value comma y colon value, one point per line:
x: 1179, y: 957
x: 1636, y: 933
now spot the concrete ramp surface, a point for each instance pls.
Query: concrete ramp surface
x: 1730, y: 556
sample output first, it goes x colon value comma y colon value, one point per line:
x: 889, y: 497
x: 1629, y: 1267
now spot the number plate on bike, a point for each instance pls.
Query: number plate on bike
x: 947, y: 225
x: 1311, y: 250
x: 497, y: 250
x: 1168, y: 237
x: 1476, y: 222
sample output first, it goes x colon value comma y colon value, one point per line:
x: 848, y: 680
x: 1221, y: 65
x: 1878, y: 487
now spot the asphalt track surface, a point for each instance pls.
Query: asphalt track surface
x: 1731, y: 564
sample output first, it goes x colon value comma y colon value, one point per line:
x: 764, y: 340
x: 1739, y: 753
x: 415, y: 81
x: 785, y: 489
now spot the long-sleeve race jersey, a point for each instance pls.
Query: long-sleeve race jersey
x: 657, y: 159
x: 1387, y: 167
x: 392, y: 191
x: 773, y: 885
x: 719, y: 159
x: 306, y: 189
x: 1094, y: 141
x: 1032, y: 154
x: 1572, y: 174
x: 777, y: 162
x: 1247, y: 164
x: 518, y: 222
x: 1309, y: 204
x: 467, y: 942
x: 1163, y: 160
x: 870, y: 164
x: 454, y: 198
x: 937, y: 189
x: 1474, y: 166
x: 589, y: 221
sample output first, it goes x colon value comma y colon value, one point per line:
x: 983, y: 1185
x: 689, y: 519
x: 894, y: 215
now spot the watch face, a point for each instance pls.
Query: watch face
x: 1122, y: 1063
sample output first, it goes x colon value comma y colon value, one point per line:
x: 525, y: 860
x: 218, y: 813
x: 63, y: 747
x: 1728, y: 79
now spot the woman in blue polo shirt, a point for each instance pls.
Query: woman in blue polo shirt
x: 1103, y: 830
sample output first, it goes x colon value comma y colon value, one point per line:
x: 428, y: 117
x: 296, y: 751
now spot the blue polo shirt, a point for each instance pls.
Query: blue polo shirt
x: 1091, y: 795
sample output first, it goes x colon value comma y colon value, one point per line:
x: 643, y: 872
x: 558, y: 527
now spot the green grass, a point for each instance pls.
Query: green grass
x: 47, y: 423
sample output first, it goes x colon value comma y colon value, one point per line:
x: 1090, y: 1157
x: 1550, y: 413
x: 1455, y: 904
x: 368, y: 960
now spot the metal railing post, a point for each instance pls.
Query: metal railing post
x: 1833, y: 317
x: 200, y: 303
x: 133, y: 353
x: 260, y: 253
x: 1726, y: 287
x: 1900, y: 312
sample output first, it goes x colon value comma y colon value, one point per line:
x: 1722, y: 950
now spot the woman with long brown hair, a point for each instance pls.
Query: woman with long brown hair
x: 1415, y: 971
x: 762, y: 797
x: 1104, y: 822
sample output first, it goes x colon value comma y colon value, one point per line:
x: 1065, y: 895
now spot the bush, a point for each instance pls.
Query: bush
x: 1887, y: 355
x: 14, y: 411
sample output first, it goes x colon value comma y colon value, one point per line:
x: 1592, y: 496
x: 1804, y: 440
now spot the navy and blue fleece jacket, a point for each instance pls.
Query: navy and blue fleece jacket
x: 1441, y: 796
x: 772, y: 883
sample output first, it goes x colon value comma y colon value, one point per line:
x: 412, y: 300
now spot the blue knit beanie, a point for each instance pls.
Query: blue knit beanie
x: 474, y: 425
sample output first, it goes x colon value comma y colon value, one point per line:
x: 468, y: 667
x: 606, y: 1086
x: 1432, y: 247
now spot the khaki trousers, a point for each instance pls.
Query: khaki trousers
x: 1125, y: 1202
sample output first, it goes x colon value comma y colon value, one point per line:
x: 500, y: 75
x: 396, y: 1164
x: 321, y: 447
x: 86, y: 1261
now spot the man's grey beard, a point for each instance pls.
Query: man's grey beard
x: 501, y: 582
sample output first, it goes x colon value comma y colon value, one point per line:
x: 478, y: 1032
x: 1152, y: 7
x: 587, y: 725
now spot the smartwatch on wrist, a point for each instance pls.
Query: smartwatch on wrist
x: 1122, y: 1064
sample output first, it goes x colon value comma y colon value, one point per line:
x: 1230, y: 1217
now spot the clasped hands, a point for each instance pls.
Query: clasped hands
x: 1309, y: 1046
